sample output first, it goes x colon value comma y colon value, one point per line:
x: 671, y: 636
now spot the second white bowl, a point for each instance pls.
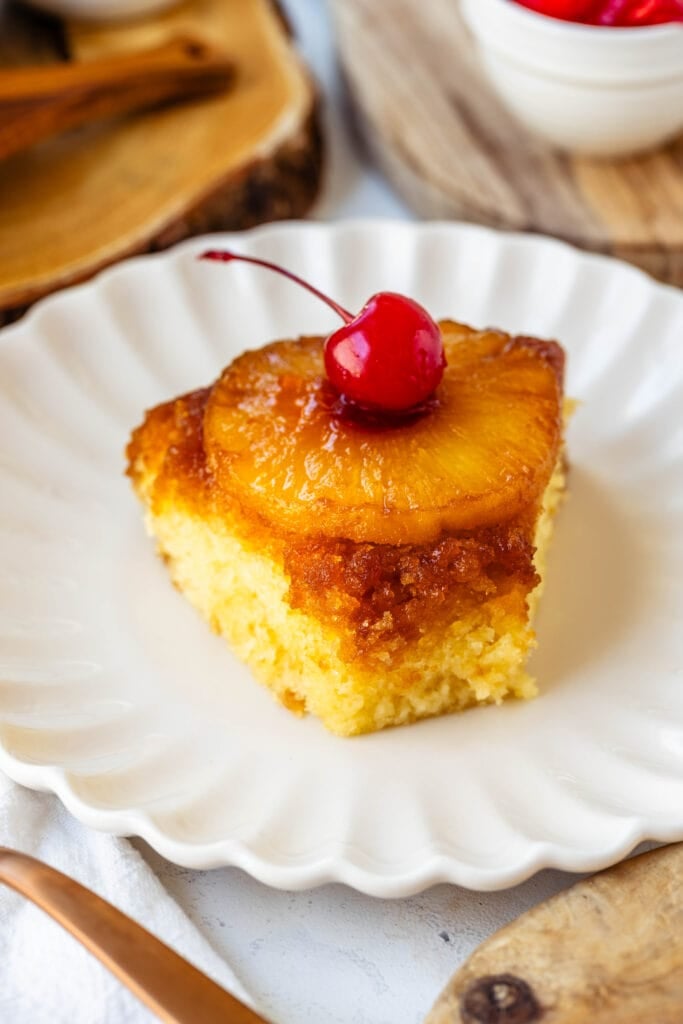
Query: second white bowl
x: 599, y: 91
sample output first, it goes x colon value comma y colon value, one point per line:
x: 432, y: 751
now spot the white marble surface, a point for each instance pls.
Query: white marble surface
x: 331, y: 955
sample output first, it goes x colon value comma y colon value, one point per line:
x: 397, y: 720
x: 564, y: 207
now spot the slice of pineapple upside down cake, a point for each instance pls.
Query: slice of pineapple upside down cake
x: 370, y: 571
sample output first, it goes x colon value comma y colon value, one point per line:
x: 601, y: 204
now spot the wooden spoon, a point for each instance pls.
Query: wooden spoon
x: 39, y: 102
x: 607, y: 951
x: 171, y: 987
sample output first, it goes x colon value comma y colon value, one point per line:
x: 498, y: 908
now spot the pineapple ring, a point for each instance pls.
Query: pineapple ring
x: 278, y: 441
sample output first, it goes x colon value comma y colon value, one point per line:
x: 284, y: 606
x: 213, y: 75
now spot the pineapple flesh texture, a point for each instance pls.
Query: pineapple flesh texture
x: 484, y: 449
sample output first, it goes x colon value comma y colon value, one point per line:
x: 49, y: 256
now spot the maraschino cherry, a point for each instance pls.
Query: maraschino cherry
x: 388, y: 358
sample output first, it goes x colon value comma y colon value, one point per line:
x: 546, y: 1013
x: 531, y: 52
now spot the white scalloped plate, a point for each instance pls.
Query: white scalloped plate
x: 114, y: 694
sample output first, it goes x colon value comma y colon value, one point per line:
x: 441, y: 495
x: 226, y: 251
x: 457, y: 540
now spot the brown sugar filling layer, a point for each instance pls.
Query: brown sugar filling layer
x: 392, y: 592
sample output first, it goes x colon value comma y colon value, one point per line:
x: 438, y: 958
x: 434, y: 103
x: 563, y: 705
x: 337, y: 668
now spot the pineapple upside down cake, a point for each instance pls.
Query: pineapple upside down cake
x: 365, y: 518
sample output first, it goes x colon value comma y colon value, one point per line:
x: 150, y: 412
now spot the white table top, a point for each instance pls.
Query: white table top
x: 332, y: 955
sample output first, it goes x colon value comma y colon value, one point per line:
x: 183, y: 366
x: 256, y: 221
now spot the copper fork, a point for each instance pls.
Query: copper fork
x: 171, y: 987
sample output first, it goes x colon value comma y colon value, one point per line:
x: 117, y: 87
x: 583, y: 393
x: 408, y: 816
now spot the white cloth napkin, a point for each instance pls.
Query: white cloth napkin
x: 46, y: 977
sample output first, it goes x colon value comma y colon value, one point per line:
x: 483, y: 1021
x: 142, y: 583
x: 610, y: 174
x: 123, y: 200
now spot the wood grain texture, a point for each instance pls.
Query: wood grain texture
x: 440, y: 134
x: 72, y: 205
x: 607, y: 951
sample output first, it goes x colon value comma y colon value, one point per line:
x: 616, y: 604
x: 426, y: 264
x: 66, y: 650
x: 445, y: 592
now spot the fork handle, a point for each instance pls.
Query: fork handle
x: 39, y: 102
x: 170, y: 986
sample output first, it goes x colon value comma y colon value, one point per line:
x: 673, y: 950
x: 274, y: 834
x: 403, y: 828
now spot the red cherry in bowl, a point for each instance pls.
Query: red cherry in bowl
x: 567, y: 10
x: 388, y: 358
x: 633, y: 13
x: 619, y: 13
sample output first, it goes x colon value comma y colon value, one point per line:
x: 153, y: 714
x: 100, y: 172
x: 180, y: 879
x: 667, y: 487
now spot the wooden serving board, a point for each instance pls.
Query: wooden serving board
x: 451, y: 149
x: 607, y: 951
x: 74, y: 204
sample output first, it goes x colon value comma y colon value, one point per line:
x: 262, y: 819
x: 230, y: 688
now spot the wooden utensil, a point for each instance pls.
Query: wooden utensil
x: 609, y: 951
x: 171, y: 987
x: 83, y: 200
x: 39, y: 102
x: 435, y: 126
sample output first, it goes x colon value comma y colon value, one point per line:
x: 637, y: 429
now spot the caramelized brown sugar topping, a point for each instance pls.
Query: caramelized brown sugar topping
x: 374, y: 590
x: 282, y: 443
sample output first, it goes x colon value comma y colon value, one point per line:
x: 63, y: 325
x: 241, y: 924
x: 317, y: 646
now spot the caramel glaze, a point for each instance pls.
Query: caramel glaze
x: 378, y: 597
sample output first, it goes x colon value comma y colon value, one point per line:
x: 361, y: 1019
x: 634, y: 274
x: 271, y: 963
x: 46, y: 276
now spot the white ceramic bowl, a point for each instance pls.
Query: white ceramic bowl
x: 599, y: 91
x: 103, y: 10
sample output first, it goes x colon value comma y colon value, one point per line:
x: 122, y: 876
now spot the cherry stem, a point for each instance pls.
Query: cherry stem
x: 224, y: 256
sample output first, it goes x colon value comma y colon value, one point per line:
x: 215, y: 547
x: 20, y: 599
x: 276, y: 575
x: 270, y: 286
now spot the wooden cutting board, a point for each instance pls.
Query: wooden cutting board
x: 451, y: 149
x: 72, y: 205
x: 607, y: 951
